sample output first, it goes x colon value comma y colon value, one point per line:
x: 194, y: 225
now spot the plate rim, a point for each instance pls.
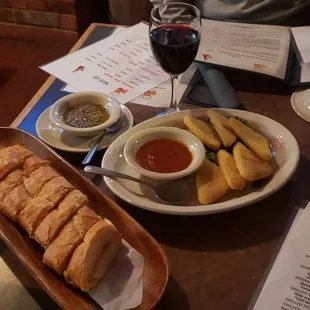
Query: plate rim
x: 76, y: 150
x: 296, y: 110
x: 192, y: 210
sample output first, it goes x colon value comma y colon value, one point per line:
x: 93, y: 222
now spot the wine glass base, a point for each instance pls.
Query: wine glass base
x: 164, y: 110
x: 300, y: 102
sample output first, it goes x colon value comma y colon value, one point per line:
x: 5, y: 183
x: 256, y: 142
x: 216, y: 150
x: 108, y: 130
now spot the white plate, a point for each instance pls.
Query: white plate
x: 284, y: 146
x: 300, y: 101
x: 58, y: 139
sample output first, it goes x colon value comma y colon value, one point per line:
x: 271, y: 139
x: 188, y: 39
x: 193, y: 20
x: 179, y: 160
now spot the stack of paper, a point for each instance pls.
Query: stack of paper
x: 288, y: 284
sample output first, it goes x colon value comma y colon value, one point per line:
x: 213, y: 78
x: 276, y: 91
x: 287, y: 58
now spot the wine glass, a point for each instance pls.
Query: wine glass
x: 175, y: 31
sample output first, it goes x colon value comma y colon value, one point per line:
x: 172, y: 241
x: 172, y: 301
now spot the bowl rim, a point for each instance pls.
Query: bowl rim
x: 116, y: 109
x: 197, y: 156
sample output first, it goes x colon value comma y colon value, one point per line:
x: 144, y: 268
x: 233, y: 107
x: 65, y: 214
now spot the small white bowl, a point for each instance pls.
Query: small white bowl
x: 136, y: 141
x: 111, y: 105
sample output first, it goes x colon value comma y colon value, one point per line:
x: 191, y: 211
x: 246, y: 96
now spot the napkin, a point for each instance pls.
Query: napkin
x: 198, y: 92
x: 122, y: 287
x: 210, y: 88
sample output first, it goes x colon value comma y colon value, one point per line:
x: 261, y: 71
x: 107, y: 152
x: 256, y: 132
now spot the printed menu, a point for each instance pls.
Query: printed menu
x: 288, y: 284
x: 160, y: 95
x: 121, y: 65
x: 252, y: 47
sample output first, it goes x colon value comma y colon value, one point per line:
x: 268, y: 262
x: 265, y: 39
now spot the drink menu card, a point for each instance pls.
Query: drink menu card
x: 259, y: 48
x: 288, y: 284
x: 121, y: 65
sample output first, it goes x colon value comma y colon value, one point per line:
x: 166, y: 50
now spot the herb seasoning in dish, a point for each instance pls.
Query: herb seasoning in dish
x: 86, y: 115
x: 164, y: 156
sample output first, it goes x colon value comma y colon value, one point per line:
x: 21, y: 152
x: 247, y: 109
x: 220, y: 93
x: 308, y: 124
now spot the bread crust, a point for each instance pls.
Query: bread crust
x: 59, y: 252
x: 99, y: 247
x: 38, y: 179
x: 47, y: 230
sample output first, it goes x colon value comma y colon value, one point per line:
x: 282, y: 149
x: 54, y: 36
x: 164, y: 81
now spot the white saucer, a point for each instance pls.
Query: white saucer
x: 58, y: 139
x: 300, y: 102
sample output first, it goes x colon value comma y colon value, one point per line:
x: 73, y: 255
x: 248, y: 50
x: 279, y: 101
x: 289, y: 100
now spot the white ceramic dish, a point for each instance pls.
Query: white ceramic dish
x: 59, y: 108
x: 139, y: 139
x: 284, y: 146
x: 300, y: 101
x: 64, y: 141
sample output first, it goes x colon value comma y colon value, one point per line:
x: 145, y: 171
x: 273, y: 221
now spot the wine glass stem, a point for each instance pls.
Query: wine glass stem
x: 174, y: 102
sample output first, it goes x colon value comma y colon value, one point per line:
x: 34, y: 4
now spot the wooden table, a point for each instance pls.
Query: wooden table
x: 216, y: 261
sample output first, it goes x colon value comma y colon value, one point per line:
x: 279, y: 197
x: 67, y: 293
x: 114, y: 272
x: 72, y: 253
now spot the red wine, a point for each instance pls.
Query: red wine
x: 174, y: 47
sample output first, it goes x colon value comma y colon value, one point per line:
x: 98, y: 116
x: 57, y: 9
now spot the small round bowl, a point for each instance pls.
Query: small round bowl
x: 58, y: 109
x: 136, y: 141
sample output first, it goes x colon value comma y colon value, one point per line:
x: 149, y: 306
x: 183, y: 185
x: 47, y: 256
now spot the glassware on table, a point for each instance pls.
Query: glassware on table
x: 175, y: 32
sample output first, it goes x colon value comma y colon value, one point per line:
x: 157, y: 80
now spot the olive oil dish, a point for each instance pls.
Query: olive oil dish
x: 85, y: 114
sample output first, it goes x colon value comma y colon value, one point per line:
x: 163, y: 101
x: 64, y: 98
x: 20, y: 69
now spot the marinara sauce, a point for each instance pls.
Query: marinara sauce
x: 164, y: 155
